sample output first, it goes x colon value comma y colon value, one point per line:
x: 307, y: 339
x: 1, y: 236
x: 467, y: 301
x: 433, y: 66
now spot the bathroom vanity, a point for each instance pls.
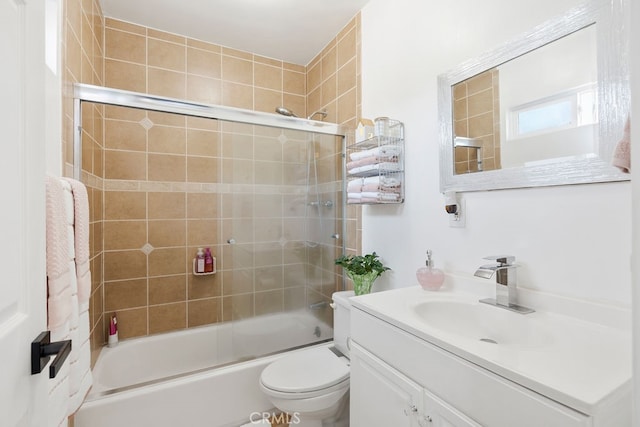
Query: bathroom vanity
x: 442, y: 359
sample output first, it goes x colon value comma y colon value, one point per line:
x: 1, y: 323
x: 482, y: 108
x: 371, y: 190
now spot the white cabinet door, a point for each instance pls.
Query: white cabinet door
x: 381, y: 396
x: 437, y: 413
x: 22, y: 229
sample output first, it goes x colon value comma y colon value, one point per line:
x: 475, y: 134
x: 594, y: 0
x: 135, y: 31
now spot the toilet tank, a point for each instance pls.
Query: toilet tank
x: 342, y: 320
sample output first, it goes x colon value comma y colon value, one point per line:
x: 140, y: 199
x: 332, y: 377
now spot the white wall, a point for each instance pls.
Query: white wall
x: 569, y: 240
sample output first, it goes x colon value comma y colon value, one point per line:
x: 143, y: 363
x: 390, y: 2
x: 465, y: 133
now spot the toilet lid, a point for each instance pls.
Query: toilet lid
x: 308, y: 370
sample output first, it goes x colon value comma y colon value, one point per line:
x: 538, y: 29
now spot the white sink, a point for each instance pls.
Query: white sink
x: 572, y: 360
x: 484, y: 323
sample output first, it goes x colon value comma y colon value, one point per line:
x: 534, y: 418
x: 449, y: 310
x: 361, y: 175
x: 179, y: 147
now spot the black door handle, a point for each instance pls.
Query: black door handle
x: 41, y: 351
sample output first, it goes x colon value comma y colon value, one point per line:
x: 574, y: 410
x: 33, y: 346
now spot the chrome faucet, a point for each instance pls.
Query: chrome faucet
x: 506, y: 292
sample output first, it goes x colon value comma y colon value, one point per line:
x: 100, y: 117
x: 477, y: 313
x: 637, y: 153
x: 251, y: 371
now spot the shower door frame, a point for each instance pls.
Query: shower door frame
x: 123, y: 98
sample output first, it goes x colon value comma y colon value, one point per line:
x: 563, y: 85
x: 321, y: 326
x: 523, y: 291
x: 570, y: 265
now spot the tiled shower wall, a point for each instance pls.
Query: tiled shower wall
x: 145, y: 60
x: 82, y: 62
x: 477, y: 115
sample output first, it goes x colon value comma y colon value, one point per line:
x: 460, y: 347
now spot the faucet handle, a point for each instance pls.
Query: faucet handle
x: 502, y: 259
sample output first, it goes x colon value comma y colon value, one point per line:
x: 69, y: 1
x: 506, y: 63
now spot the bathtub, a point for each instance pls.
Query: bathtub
x: 206, y: 376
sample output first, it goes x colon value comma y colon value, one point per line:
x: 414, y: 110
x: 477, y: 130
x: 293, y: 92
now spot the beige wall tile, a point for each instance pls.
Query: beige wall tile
x: 202, y: 232
x: 296, y: 103
x: 347, y: 77
x: 163, y: 54
x: 167, y: 289
x: 125, y: 205
x: 167, y: 119
x: 167, y: 233
x: 204, y: 312
x: 269, y: 173
x: 481, y: 125
x: 125, y: 165
x: 165, y: 167
x: 167, y: 205
x: 237, y: 53
x: 167, y: 317
x: 329, y: 63
x: 121, y: 265
x: 267, y: 76
x: 237, y: 281
x: 204, y: 89
x: 204, y: 286
x: 269, y: 302
x: 198, y: 44
x: 346, y: 106
x: 237, y: 70
x: 131, y: 323
x: 237, y: 95
x: 167, y: 139
x: 480, y: 103
x: 314, y: 77
x: 269, y: 278
x: 203, y: 169
x: 125, y: 75
x: 125, y: 26
x: 236, y: 146
x: 329, y: 90
x: 167, y: 261
x: 125, y: 294
x: 120, y: 235
x: 479, y: 82
x: 267, y: 100
x: 268, y: 149
x: 121, y: 135
x: 237, y: 307
x: 166, y: 83
x: 125, y: 46
x: 202, y: 205
x: 203, y: 143
x: 204, y: 63
x: 294, y: 82
x: 346, y: 49
x: 238, y: 172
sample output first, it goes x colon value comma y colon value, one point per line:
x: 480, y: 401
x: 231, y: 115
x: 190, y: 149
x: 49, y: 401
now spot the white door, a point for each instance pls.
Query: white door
x: 22, y: 223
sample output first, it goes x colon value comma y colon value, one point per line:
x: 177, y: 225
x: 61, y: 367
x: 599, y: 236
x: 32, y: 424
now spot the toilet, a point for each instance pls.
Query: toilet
x: 313, y: 385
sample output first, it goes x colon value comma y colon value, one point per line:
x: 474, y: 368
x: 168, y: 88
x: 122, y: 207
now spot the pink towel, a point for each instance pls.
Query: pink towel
x: 622, y: 152
x: 81, y: 231
x: 57, y: 256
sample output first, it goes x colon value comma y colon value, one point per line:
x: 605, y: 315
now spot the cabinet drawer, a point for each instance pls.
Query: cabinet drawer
x: 487, y: 398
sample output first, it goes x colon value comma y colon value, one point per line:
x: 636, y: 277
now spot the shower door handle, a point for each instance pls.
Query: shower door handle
x: 41, y: 351
x: 335, y: 236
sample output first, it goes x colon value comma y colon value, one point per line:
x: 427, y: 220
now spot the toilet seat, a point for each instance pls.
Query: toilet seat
x: 310, y: 373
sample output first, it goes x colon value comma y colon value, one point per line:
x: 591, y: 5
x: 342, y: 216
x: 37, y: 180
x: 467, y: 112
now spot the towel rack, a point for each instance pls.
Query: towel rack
x: 41, y: 351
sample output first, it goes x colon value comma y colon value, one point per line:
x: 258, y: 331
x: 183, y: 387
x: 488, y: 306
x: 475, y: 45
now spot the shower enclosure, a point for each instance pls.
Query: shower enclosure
x: 262, y: 191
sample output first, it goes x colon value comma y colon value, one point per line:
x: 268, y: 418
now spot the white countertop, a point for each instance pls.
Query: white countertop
x: 578, y: 363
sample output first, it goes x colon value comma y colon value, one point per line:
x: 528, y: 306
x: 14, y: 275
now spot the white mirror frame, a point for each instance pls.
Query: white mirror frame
x: 613, y: 102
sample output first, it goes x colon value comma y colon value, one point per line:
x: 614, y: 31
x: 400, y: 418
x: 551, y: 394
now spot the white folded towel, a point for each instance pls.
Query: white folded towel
x: 382, y: 180
x: 354, y: 185
x: 381, y: 151
x: 381, y: 196
x: 354, y: 195
x: 379, y: 167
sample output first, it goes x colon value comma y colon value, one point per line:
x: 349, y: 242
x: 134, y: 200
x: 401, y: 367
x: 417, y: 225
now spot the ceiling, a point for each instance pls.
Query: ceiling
x: 289, y: 30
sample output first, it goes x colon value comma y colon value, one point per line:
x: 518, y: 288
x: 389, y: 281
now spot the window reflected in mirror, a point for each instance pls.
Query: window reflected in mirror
x: 537, y: 108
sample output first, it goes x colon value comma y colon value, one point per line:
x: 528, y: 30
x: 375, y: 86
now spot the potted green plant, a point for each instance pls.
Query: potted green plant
x: 363, y: 270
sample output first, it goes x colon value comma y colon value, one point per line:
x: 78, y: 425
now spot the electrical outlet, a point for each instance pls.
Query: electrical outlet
x: 459, y: 221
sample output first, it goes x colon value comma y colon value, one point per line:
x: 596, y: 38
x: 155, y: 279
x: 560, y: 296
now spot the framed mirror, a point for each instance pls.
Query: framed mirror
x: 544, y: 109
